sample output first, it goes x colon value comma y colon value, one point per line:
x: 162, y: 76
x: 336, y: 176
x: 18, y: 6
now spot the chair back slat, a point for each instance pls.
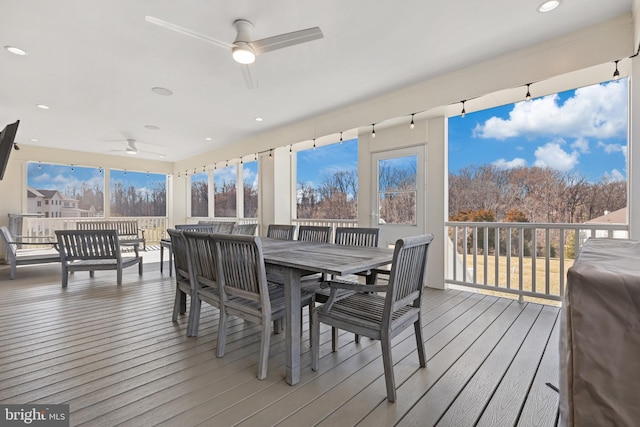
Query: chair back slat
x: 241, y: 267
x: 314, y: 233
x: 408, y: 267
x: 357, y: 236
x: 246, y: 229
x: 281, y: 231
x: 6, y: 237
x: 204, y: 228
x: 224, y: 227
x: 89, y: 244
x: 180, y: 256
x: 202, y: 255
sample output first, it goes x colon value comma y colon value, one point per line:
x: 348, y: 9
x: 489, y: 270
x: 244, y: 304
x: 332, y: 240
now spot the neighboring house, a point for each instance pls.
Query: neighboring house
x: 53, y: 204
x: 615, y: 217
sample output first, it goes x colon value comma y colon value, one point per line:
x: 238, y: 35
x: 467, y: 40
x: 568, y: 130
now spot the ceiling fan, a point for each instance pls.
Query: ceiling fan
x: 132, y: 149
x: 243, y: 49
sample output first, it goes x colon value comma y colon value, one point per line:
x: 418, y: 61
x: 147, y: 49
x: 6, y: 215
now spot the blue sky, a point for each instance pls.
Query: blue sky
x: 582, y: 130
x: 314, y: 165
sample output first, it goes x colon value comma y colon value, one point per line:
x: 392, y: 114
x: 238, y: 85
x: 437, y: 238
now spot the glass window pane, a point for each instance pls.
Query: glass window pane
x: 398, y: 173
x: 200, y: 194
x: 327, y: 181
x: 67, y: 191
x: 224, y: 181
x: 138, y: 194
x: 397, y: 207
x: 250, y: 189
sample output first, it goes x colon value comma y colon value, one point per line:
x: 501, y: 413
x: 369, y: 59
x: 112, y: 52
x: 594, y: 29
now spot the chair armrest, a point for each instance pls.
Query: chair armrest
x: 353, y: 286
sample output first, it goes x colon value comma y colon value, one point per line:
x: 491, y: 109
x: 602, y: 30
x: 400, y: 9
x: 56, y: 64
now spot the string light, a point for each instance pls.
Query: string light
x: 412, y: 125
x: 72, y: 168
x: 373, y: 130
x: 463, y: 112
x: 203, y: 169
x: 290, y: 149
x: 178, y: 174
x: 527, y: 97
x: 125, y: 172
x: 39, y: 165
x: 340, y: 137
x: 616, y: 73
x: 227, y: 164
x: 100, y: 170
x: 256, y: 157
x: 270, y: 153
x: 241, y: 161
x: 314, y: 143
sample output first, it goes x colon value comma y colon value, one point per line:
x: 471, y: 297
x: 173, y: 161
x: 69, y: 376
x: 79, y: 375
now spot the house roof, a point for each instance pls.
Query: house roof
x: 615, y: 217
x: 95, y: 64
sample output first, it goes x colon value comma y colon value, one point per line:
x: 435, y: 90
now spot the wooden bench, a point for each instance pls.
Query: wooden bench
x: 16, y: 256
x: 128, y: 231
x: 90, y: 250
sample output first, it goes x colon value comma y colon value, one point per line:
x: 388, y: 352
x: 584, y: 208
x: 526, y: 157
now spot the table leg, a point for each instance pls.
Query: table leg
x: 161, y: 256
x: 292, y: 331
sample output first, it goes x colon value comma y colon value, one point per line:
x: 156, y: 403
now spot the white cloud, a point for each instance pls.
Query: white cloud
x: 42, y: 178
x: 611, y: 148
x: 614, y: 175
x: 510, y: 164
x: 581, y: 144
x: 552, y: 156
x: 597, y: 111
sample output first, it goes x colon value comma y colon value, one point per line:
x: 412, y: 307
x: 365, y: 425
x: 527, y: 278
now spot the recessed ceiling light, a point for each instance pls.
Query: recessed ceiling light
x: 42, y: 106
x: 152, y: 127
x: 162, y: 156
x: 15, y: 50
x: 258, y: 119
x: 33, y: 140
x: 549, y: 5
x: 208, y: 139
x: 161, y: 91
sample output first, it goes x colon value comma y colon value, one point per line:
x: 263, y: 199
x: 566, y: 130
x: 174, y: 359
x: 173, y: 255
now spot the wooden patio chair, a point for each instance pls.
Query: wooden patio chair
x: 202, y: 255
x: 245, y: 291
x: 350, y: 236
x: 224, y: 227
x: 246, y: 229
x: 381, y: 317
x: 314, y: 233
x: 184, y: 276
x: 281, y: 231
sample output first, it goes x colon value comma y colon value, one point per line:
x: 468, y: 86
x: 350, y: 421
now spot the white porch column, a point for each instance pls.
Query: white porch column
x: 275, y: 188
x: 437, y: 205
x: 633, y: 172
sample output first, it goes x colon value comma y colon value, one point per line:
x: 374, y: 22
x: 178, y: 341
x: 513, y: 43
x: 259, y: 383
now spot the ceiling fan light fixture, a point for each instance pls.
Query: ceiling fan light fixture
x: 548, y: 5
x: 131, y: 151
x: 243, y: 53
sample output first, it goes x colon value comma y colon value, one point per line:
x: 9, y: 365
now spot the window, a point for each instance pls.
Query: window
x: 51, y: 182
x: 200, y: 194
x: 224, y: 198
x: 397, y: 190
x: 327, y: 181
x: 560, y: 158
x: 138, y: 194
x: 250, y: 189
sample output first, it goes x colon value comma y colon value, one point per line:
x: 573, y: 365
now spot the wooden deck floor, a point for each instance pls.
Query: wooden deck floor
x: 114, y: 355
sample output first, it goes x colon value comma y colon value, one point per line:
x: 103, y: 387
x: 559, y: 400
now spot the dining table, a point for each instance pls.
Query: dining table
x: 292, y: 260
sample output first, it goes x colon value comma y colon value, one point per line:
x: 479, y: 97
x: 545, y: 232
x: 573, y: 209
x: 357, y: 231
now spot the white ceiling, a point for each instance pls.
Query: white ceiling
x: 95, y: 62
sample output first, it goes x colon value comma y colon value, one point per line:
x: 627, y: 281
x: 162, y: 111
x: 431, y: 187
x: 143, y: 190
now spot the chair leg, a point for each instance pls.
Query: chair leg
x: 222, y: 333
x: 178, y: 303
x: 420, y: 343
x: 315, y: 343
x: 194, y: 317
x: 65, y: 277
x: 357, y: 338
x: 334, y: 339
x: 118, y: 275
x: 140, y: 268
x: 388, y: 368
x: 265, y: 341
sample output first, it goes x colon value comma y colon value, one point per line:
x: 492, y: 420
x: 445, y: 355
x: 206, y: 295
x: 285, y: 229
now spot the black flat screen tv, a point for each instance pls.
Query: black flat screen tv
x: 7, y: 138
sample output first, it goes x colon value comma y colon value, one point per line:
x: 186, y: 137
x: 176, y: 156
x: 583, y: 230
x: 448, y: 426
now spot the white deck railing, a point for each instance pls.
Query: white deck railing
x: 333, y: 223
x: 154, y: 226
x: 525, y: 259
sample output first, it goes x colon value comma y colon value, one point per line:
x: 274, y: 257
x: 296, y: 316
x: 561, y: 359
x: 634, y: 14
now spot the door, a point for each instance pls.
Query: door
x: 398, y: 202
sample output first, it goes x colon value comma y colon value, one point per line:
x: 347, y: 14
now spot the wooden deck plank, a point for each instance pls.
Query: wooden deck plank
x: 113, y: 353
x: 367, y: 399
x: 506, y: 403
x: 541, y: 406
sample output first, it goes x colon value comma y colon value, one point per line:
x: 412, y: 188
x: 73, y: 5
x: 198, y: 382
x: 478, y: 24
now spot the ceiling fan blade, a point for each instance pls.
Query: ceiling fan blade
x: 188, y: 32
x: 248, y: 73
x: 286, y: 40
